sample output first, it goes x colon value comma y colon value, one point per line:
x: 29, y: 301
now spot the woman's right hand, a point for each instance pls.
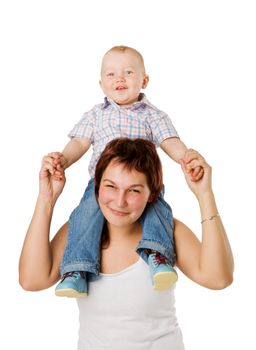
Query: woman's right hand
x: 49, y: 187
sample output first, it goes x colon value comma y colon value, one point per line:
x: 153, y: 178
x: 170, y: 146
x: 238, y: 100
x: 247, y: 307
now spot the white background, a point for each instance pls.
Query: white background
x: 200, y: 56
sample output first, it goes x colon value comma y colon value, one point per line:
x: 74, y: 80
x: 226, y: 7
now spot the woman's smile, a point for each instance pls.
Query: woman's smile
x: 118, y: 212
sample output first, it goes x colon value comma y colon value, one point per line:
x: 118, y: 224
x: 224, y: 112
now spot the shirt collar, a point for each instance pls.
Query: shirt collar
x: 141, y: 103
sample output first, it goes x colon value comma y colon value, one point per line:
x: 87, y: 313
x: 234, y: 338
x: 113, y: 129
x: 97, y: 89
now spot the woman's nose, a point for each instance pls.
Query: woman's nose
x: 121, y: 200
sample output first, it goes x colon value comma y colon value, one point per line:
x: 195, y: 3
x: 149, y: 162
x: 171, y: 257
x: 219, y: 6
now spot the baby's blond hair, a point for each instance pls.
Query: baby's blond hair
x: 123, y: 48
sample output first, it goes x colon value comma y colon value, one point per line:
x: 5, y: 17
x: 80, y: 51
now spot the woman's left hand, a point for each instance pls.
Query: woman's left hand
x: 191, y: 160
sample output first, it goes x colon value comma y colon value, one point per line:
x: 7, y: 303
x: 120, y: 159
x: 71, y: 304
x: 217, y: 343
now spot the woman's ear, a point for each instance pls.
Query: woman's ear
x: 151, y: 198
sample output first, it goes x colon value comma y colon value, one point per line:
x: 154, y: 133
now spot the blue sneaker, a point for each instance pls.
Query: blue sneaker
x: 162, y: 273
x: 72, y: 285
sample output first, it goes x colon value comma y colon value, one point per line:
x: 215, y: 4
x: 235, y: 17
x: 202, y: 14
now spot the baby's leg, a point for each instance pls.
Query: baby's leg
x: 82, y: 252
x: 157, y: 244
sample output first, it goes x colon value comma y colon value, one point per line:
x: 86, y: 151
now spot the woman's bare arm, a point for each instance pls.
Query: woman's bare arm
x: 208, y: 262
x: 40, y: 258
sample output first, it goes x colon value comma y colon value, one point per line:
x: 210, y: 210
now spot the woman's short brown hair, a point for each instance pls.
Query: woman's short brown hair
x: 138, y: 154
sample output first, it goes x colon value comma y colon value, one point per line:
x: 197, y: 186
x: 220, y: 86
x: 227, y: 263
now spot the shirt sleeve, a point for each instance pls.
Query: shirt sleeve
x: 84, y: 128
x: 162, y: 128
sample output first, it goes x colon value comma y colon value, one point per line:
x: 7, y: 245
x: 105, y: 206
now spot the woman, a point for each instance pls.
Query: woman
x: 123, y: 310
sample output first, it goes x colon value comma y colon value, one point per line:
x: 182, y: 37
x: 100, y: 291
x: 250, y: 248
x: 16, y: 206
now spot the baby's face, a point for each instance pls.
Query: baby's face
x: 122, y: 77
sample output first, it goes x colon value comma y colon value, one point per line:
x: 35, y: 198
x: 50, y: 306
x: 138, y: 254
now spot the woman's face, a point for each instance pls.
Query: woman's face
x: 123, y: 195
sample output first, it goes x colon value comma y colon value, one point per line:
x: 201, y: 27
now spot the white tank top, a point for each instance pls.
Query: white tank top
x: 124, y: 312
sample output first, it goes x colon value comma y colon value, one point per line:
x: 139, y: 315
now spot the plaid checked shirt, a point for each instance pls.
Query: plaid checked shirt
x: 107, y: 121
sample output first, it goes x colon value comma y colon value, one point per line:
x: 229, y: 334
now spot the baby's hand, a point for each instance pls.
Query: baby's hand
x: 195, y: 172
x: 56, y: 164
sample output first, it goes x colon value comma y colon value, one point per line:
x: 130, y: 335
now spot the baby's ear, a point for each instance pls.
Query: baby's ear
x: 145, y: 81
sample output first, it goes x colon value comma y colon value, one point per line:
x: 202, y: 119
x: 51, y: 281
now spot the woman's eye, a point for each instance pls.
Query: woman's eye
x: 134, y: 191
x: 110, y: 186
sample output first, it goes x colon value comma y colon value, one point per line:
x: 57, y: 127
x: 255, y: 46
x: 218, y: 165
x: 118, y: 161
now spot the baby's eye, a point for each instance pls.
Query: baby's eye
x: 129, y: 72
x: 110, y: 74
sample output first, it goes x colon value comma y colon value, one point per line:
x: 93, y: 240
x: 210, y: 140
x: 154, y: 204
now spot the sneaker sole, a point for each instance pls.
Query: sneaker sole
x: 70, y: 293
x: 164, y: 280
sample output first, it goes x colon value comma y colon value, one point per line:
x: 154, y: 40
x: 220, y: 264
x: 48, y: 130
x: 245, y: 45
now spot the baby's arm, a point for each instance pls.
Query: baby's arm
x: 72, y: 152
x: 176, y: 149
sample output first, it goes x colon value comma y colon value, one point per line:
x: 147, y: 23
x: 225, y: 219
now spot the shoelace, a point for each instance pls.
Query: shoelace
x: 73, y: 273
x: 160, y: 259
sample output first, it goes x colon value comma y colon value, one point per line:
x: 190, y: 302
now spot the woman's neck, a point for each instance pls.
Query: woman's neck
x: 121, y: 250
x: 118, y: 234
